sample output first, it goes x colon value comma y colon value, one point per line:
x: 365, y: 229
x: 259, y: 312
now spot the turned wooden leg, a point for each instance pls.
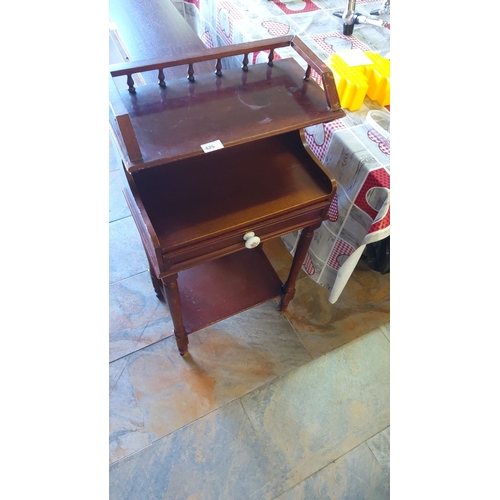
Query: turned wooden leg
x: 288, y: 289
x: 171, y: 290
x: 155, y: 281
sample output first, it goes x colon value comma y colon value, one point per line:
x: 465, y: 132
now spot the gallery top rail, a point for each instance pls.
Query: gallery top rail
x: 218, y: 53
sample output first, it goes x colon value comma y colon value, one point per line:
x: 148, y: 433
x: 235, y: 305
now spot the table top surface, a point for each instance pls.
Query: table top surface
x: 235, y: 108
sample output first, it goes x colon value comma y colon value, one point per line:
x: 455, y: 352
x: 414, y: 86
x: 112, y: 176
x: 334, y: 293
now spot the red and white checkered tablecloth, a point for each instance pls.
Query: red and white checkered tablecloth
x: 357, y: 155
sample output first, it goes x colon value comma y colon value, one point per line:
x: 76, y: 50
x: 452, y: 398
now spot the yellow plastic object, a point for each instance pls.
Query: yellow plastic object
x: 379, y: 79
x: 355, y: 82
x: 350, y: 81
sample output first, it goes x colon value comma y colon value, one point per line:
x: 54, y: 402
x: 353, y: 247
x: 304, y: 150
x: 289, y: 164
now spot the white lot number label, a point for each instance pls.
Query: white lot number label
x: 212, y: 146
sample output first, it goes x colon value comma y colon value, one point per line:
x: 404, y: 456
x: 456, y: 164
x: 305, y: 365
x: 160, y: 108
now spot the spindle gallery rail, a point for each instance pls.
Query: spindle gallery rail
x: 218, y: 53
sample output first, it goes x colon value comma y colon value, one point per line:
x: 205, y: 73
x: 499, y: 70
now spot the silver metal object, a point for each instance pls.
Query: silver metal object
x: 385, y: 8
x: 360, y: 19
x: 350, y: 17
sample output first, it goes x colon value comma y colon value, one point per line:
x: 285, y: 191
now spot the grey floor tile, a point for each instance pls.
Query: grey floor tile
x: 363, y: 306
x: 118, y: 208
x: 115, y: 371
x: 320, y: 411
x: 114, y: 156
x: 225, y: 361
x: 386, y: 329
x: 126, y: 425
x: 355, y: 476
x: 136, y: 317
x: 126, y: 253
x: 215, y: 458
x: 380, y: 445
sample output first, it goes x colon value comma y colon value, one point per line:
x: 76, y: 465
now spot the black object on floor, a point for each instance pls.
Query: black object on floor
x: 378, y: 255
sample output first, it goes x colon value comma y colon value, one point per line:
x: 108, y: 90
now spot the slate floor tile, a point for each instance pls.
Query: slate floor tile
x: 118, y: 208
x: 386, y: 329
x: 114, y: 156
x: 355, y: 476
x: 115, y: 371
x: 320, y: 411
x: 225, y: 361
x: 215, y: 458
x: 380, y: 445
x: 126, y: 253
x: 136, y: 317
x: 127, y: 433
x: 363, y: 305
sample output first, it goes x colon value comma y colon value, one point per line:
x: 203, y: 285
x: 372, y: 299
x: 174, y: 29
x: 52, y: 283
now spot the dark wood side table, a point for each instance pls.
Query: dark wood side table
x: 217, y: 163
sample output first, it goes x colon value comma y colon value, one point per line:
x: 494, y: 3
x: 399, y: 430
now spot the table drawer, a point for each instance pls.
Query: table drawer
x: 213, y: 248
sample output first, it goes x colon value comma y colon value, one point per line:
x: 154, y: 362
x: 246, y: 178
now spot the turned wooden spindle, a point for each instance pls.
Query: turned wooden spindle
x: 245, y: 63
x: 161, y: 78
x: 130, y: 83
x: 191, y: 73
x: 308, y: 73
x: 218, y: 67
x: 271, y: 57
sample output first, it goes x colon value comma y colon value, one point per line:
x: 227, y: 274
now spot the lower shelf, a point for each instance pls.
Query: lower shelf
x: 221, y: 288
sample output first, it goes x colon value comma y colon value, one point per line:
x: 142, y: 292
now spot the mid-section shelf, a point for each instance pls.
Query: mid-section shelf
x: 210, y: 201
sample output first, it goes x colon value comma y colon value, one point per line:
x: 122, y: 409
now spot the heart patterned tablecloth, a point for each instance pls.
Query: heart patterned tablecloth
x: 355, y: 153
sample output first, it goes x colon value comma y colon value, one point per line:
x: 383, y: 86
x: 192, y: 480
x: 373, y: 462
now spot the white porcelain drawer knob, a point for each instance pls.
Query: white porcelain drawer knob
x: 251, y: 241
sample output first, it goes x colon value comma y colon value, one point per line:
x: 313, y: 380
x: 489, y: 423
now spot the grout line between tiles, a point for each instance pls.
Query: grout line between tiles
x: 378, y: 432
x: 121, y: 218
x: 127, y: 277
x: 142, y: 416
x: 118, y: 378
x: 371, y: 451
x: 246, y: 413
x: 298, y: 336
x: 168, y: 336
x: 338, y: 458
x: 141, y: 348
x: 238, y: 398
x: 144, y: 329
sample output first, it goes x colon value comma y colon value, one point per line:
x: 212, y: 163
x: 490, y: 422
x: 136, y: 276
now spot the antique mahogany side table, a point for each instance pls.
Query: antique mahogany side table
x: 217, y: 163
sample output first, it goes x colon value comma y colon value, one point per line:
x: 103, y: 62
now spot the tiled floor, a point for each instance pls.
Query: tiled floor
x: 265, y: 406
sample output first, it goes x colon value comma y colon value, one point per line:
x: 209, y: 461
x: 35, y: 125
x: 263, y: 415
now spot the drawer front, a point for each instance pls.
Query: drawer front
x: 213, y: 248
